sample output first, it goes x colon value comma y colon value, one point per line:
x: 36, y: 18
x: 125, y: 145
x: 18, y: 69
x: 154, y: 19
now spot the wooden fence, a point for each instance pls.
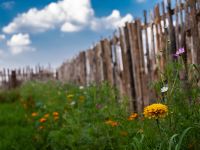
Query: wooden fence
x: 13, y: 78
x: 132, y: 58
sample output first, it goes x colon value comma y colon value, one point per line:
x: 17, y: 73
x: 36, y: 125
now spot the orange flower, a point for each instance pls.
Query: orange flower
x: 56, y: 118
x: 41, y: 127
x: 46, y: 115
x: 142, y: 118
x: 43, y: 120
x: 112, y: 123
x: 132, y: 116
x: 34, y: 114
x: 130, y: 119
x: 55, y: 114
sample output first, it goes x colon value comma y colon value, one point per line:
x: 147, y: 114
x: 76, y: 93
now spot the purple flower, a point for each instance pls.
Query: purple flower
x: 175, y: 56
x: 178, y: 52
x: 181, y: 50
x: 98, y: 106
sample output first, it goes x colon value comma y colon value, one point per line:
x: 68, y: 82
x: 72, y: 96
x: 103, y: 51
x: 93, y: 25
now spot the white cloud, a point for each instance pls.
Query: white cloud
x: 19, y: 43
x: 19, y: 40
x: 1, y: 53
x: 8, y: 5
x: 67, y: 15
x: 68, y: 27
x: 141, y: 1
x: 2, y: 37
x: 54, y: 15
x: 111, y: 22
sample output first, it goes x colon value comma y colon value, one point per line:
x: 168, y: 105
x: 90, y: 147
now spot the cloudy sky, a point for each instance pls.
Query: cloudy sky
x: 50, y: 31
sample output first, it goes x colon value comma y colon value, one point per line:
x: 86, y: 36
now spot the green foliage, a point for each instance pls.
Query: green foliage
x: 15, y: 133
x: 92, y: 118
x: 9, y: 96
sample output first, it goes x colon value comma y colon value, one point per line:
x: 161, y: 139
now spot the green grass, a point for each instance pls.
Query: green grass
x: 81, y: 124
x: 15, y: 133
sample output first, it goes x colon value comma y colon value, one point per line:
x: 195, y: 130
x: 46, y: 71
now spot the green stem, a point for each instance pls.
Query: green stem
x: 158, y: 124
x: 110, y: 141
x: 174, y: 83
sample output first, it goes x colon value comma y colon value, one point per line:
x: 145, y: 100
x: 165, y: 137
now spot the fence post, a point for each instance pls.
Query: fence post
x: 125, y: 73
x: 172, y: 36
x: 147, y: 43
x: 176, y: 10
x: 13, y: 79
x: 160, y: 38
x: 90, y: 66
x: 4, y: 75
x: 98, y: 63
x: 107, y: 61
x: 153, y: 53
x: 143, y: 75
x: 137, y: 54
x: 82, y: 65
x: 195, y: 33
x: 127, y: 66
x: 135, y: 57
x: 164, y: 37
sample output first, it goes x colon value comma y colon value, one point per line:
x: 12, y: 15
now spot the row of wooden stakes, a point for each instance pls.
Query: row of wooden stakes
x: 12, y: 78
x: 136, y: 55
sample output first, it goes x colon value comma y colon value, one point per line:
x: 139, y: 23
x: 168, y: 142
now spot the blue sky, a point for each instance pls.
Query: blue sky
x: 49, y: 31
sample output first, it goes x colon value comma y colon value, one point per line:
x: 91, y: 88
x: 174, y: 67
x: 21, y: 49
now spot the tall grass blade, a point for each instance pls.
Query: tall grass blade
x: 137, y: 144
x: 171, y: 141
x: 178, y: 146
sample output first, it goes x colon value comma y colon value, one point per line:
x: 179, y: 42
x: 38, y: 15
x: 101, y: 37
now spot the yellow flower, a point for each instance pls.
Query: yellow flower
x: 70, y: 96
x: 43, y: 120
x: 81, y: 98
x: 55, y: 114
x: 46, y: 115
x: 132, y: 116
x: 112, y: 123
x: 155, y: 111
x: 140, y: 131
x: 108, y: 122
x: 25, y: 106
x: 123, y: 133
x: 34, y: 114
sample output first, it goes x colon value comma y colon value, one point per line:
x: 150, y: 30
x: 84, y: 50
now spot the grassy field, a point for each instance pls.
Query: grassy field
x: 15, y: 132
x: 55, y: 116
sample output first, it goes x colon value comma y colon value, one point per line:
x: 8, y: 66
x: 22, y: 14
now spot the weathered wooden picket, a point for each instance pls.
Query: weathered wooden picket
x: 132, y: 58
x: 13, y: 78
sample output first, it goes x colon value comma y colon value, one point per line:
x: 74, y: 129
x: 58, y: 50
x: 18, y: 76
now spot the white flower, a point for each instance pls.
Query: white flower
x: 164, y: 89
x: 72, y: 103
x: 81, y: 87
